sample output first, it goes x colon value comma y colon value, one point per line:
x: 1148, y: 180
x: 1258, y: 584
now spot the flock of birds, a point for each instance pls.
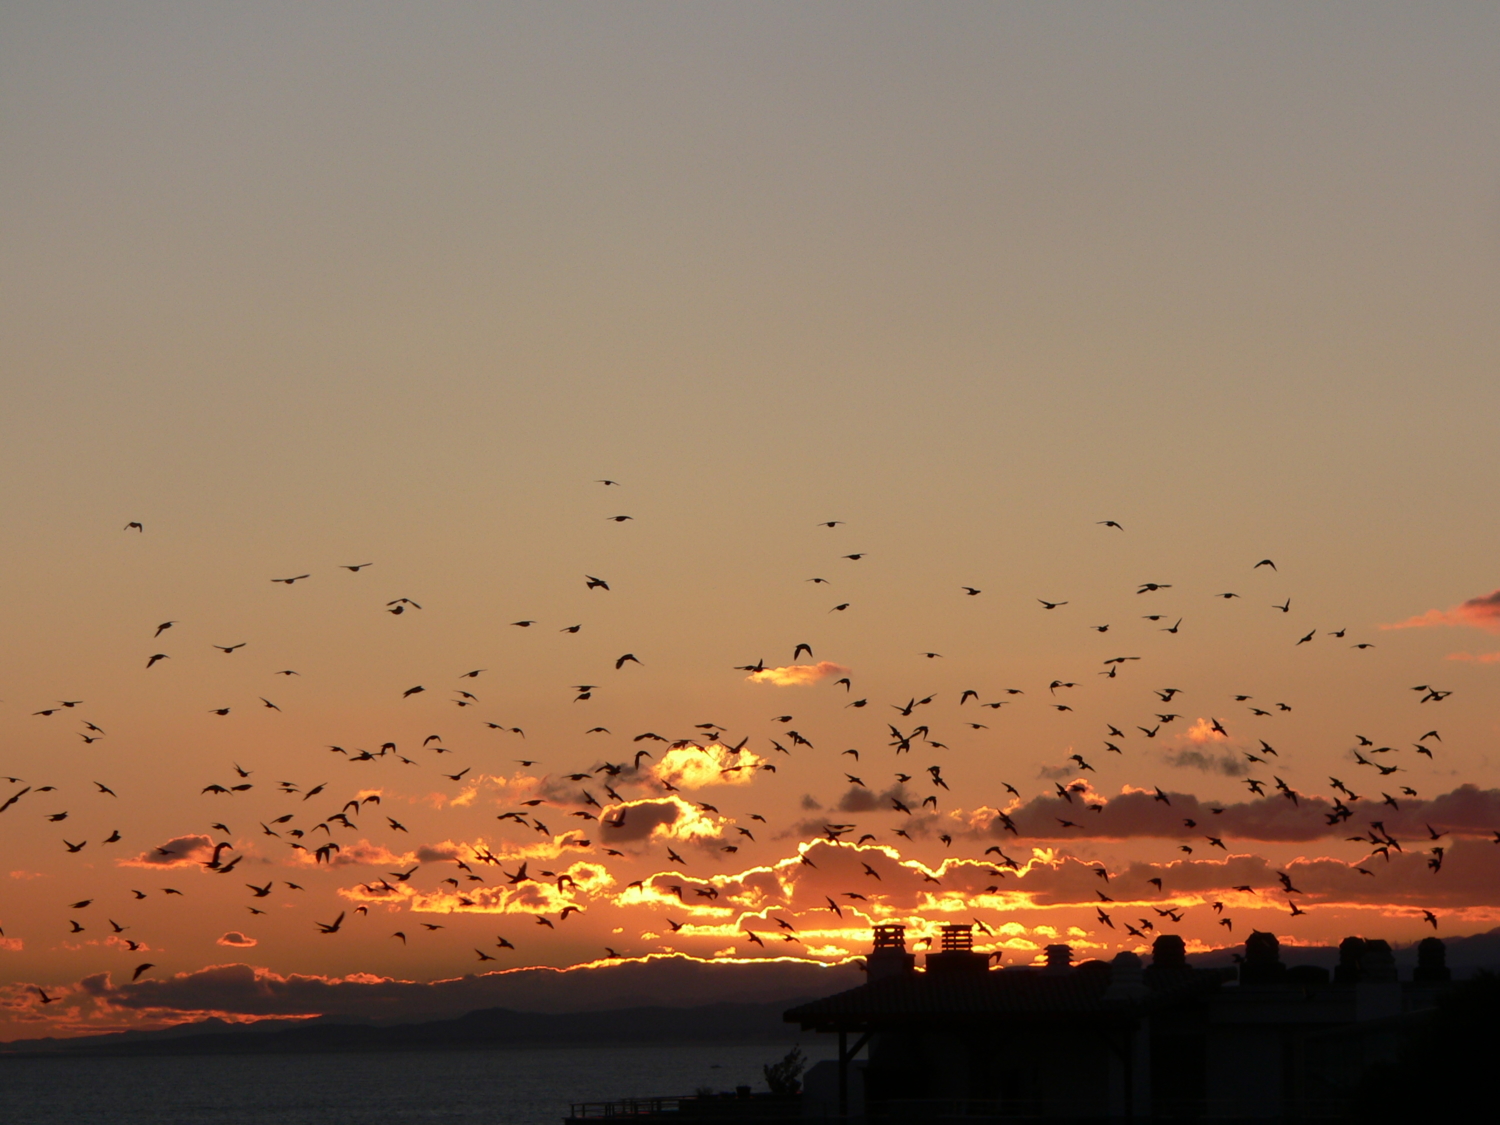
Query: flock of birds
x: 315, y: 830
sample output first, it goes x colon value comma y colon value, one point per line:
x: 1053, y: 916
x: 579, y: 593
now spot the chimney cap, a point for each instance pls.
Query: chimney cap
x: 957, y: 937
x: 890, y: 935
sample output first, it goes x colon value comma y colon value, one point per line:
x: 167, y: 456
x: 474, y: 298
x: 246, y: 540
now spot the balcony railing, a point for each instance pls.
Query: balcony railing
x: 717, y: 1107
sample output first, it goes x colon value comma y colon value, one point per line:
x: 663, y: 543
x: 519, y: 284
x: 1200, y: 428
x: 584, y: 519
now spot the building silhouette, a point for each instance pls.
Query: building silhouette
x: 1118, y: 1040
x: 960, y: 1039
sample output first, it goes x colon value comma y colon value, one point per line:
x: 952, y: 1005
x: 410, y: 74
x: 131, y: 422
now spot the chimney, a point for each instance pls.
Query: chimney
x: 1126, y: 978
x: 1376, y: 962
x: 956, y: 954
x: 1169, y: 965
x: 1347, y: 970
x: 1262, y: 964
x: 1432, y: 962
x: 1059, y: 959
x: 889, y: 957
x: 1378, y: 993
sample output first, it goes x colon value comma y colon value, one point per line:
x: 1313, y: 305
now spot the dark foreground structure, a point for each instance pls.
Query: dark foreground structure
x: 1099, y: 1041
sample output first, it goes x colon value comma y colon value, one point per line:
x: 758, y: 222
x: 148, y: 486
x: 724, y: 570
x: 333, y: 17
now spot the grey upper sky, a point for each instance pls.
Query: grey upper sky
x: 296, y: 278
x: 303, y: 284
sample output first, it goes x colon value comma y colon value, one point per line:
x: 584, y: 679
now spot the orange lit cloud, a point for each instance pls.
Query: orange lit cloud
x: 549, y: 848
x: 658, y: 818
x: 922, y: 897
x: 1207, y: 747
x: 797, y: 675
x: 693, y: 767
x: 237, y: 940
x: 574, y: 887
x: 1476, y: 657
x: 367, y: 854
x: 528, y: 898
x: 361, y: 853
x: 1478, y: 613
x: 502, y: 788
x: 180, y: 851
x: 1203, y: 731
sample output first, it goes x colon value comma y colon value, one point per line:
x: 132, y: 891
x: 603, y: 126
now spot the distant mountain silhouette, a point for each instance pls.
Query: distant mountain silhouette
x: 490, y: 1027
x: 213, y: 1025
x: 660, y: 980
x: 628, y: 1002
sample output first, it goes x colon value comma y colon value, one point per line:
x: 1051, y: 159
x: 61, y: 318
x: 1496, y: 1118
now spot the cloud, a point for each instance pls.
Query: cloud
x: 1467, y: 810
x: 1203, y: 731
x: 1227, y: 764
x: 179, y: 851
x: 658, y: 818
x: 693, y: 767
x: 362, y: 853
x: 909, y: 892
x: 588, y: 880
x: 1476, y: 657
x: 797, y: 675
x: 501, y: 788
x: 237, y: 939
x: 1482, y: 612
x: 859, y: 799
x: 1046, y: 896
x: 365, y: 854
x: 13, y: 944
x: 550, y: 848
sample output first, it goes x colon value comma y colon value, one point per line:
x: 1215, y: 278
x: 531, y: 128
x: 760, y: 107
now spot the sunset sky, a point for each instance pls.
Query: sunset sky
x: 299, y: 288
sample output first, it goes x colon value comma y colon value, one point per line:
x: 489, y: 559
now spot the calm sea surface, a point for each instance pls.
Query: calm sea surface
x: 499, y: 1087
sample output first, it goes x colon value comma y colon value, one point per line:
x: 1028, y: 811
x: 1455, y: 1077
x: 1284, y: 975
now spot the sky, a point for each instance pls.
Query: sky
x: 303, y: 288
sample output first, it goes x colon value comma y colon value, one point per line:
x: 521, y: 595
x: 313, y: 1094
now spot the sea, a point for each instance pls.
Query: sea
x: 454, y: 1087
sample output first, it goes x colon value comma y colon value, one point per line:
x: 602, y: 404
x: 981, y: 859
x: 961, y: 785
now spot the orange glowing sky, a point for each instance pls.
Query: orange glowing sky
x: 302, y: 289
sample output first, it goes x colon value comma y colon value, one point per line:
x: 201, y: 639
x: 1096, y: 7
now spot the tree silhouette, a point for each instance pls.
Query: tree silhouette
x: 785, y: 1077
